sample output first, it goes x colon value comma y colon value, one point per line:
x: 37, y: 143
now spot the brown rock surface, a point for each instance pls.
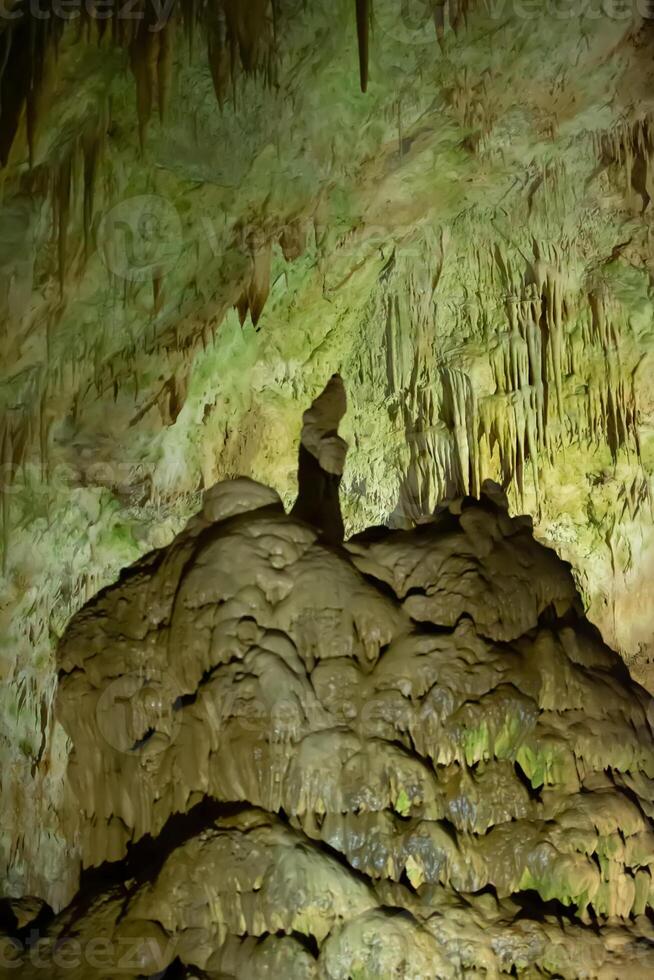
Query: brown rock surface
x: 410, y: 756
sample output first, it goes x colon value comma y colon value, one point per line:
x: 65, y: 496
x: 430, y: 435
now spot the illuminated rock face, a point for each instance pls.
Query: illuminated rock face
x: 199, y: 225
x: 407, y: 756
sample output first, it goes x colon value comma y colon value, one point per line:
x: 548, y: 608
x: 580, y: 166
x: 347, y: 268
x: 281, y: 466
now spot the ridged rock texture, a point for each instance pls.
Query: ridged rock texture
x: 406, y: 756
x: 203, y: 217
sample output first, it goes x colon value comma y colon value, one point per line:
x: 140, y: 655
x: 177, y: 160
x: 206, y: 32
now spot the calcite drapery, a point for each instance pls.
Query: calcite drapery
x: 407, y: 756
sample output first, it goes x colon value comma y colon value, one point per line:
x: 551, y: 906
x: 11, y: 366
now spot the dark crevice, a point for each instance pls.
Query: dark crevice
x: 534, y: 792
x: 625, y: 790
x: 486, y: 890
x: 549, y: 618
x: 310, y: 943
x: 405, y: 881
x: 449, y: 828
x: 185, y: 700
x: 23, y: 935
x: 536, y: 908
x: 145, y: 858
x: 327, y: 850
x: 177, y: 971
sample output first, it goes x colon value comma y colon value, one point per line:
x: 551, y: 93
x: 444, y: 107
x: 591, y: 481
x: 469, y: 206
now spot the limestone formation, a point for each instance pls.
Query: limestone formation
x: 321, y: 461
x: 409, y: 756
x: 203, y: 218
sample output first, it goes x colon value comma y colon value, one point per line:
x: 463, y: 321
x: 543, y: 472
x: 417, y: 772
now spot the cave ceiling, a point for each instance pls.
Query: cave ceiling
x: 207, y: 210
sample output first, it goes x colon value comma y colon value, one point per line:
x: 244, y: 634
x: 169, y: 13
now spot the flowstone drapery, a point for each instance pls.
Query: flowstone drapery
x: 406, y: 756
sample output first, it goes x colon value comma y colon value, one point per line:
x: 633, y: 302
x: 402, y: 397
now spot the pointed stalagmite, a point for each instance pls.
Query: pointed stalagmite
x: 321, y: 462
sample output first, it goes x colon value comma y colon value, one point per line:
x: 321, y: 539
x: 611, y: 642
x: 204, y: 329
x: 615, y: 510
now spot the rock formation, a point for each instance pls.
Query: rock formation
x: 321, y: 461
x: 202, y: 218
x: 409, y: 756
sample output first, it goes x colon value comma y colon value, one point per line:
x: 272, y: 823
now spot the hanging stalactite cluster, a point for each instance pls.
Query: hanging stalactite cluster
x: 629, y: 150
x: 240, y: 37
x: 559, y: 378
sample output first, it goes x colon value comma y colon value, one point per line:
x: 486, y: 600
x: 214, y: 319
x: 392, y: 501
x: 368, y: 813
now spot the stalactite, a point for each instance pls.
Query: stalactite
x: 260, y: 283
x: 144, y: 59
x: 247, y: 38
x: 243, y: 307
x: 220, y: 62
x: 156, y: 294
x: 189, y: 20
x: 62, y: 198
x: 557, y: 370
x: 91, y: 149
x: 363, y: 10
x: 246, y: 25
x: 293, y: 240
x: 165, y: 67
x: 5, y: 491
x: 461, y: 418
x: 439, y: 19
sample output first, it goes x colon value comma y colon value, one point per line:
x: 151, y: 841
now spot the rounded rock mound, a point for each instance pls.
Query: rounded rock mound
x: 408, y: 756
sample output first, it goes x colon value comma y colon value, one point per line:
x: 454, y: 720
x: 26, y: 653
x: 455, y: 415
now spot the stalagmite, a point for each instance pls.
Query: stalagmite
x: 321, y: 460
x: 407, y: 756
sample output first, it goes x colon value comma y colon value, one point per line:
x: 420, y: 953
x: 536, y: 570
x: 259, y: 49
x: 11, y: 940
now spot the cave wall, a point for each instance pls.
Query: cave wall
x: 201, y: 224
